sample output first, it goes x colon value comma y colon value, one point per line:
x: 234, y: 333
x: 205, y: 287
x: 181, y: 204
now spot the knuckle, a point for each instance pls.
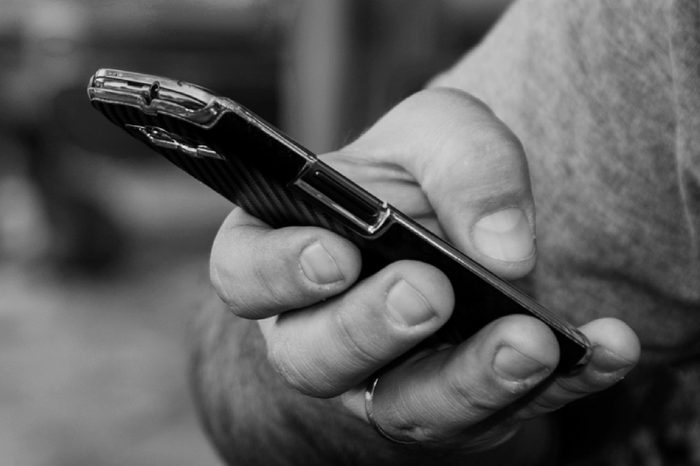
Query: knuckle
x: 278, y: 275
x: 216, y: 268
x: 223, y: 277
x: 396, y: 419
x: 282, y: 359
x: 223, y: 287
x: 497, y: 145
x: 240, y: 307
x: 542, y: 405
x: 405, y: 427
x: 228, y: 289
x: 235, y: 219
x: 305, y: 376
x: 452, y: 95
x: 217, y: 281
x: 587, y: 383
x: 270, y: 283
x: 470, y: 396
x: 353, y: 340
x: 573, y: 387
x: 421, y: 434
x: 481, y: 393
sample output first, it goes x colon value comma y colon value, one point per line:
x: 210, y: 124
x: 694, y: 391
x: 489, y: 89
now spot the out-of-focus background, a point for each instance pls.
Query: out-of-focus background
x: 103, y: 245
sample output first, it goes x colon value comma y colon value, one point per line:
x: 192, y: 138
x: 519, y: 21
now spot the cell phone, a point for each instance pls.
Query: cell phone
x: 258, y: 168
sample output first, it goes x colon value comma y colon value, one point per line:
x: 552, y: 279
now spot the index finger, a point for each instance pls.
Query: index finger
x: 259, y: 271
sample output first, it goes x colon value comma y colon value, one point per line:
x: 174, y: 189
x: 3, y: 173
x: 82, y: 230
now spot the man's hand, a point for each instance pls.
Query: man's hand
x: 442, y: 157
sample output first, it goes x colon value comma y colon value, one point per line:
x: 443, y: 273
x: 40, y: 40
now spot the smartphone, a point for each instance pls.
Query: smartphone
x: 258, y: 168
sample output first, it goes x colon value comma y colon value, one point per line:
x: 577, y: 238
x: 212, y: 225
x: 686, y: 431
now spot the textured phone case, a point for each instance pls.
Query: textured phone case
x: 258, y: 169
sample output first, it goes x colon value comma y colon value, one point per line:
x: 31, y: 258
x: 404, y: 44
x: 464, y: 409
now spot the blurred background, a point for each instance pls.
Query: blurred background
x: 103, y: 245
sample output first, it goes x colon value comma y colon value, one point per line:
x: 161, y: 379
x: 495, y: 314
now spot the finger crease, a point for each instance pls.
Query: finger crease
x: 361, y: 355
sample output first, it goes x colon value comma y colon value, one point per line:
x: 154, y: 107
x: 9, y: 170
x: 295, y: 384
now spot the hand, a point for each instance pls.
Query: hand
x: 442, y: 157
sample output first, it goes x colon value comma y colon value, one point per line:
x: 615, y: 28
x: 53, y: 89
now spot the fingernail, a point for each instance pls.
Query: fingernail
x: 511, y: 364
x: 504, y: 235
x: 609, y: 362
x: 407, y: 306
x: 319, y: 266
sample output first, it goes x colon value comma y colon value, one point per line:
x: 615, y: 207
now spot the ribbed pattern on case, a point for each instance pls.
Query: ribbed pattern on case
x: 236, y: 181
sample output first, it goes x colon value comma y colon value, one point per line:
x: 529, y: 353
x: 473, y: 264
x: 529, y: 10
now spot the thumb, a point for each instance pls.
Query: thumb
x: 472, y: 170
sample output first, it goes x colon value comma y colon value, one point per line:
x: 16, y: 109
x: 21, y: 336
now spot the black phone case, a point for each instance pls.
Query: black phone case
x: 256, y: 167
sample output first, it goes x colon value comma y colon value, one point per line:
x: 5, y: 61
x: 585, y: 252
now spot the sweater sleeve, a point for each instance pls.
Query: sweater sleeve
x: 603, y: 94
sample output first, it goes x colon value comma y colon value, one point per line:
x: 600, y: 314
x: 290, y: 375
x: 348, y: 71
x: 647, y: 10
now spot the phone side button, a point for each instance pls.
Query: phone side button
x: 368, y: 217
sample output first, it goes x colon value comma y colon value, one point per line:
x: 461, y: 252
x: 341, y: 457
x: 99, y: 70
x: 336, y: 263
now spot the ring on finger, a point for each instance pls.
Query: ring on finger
x: 369, y: 410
